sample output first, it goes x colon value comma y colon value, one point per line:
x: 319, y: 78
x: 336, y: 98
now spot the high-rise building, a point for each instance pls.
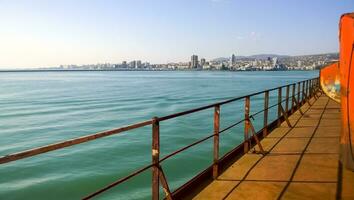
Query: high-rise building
x: 194, y: 61
x: 132, y: 64
x: 138, y: 64
x: 233, y: 59
x: 202, y: 62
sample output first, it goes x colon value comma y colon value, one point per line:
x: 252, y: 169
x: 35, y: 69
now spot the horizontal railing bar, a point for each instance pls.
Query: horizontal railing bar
x: 68, y: 143
x: 119, y: 181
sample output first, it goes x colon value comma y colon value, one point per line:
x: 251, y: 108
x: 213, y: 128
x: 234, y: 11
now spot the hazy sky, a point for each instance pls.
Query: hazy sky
x: 36, y: 33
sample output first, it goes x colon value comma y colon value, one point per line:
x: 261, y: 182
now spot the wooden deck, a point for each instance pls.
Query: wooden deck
x: 301, y: 163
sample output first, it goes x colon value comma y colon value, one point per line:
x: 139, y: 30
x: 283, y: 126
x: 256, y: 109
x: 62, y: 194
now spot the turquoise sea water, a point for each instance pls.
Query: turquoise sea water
x: 39, y: 108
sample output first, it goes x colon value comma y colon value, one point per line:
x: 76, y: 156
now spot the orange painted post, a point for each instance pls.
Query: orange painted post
x: 216, y: 141
x: 265, y: 118
x: 346, y: 65
x: 279, y: 105
x: 155, y: 158
x: 247, y: 116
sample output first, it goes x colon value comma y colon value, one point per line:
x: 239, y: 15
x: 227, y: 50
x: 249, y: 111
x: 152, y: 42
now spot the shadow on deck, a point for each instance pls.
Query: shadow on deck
x: 301, y: 163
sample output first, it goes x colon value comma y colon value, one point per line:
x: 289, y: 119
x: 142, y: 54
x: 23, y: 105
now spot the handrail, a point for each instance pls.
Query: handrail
x: 309, y: 88
x: 68, y: 143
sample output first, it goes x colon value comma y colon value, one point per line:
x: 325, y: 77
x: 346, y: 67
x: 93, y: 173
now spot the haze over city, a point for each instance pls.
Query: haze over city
x: 52, y: 33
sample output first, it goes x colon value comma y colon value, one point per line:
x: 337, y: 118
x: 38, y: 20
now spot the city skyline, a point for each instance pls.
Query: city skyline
x: 48, y: 34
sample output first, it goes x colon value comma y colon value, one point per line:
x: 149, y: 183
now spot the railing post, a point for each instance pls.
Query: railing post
x: 298, y: 94
x: 287, y: 99
x: 279, y: 105
x: 307, y: 88
x: 303, y: 92
x: 155, y: 158
x: 247, y: 116
x: 265, y: 118
x: 216, y: 141
x: 292, y: 98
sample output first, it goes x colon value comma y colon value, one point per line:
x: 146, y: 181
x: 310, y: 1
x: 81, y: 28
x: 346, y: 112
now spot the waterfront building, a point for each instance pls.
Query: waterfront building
x: 202, y: 62
x: 124, y: 64
x: 194, y: 61
x: 132, y: 64
x: 138, y: 64
x: 275, y: 61
x: 233, y: 59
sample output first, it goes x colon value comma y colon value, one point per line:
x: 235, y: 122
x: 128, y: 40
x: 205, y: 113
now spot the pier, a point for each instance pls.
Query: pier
x: 301, y: 162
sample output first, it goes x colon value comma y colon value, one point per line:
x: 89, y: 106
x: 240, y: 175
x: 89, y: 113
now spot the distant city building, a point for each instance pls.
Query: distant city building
x: 132, y: 64
x: 146, y: 65
x: 194, y: 61
x: 202, y: 62
x: 275, y: 61
x: 233, y: 59
x: 138, y: 64
x: 124, y: 64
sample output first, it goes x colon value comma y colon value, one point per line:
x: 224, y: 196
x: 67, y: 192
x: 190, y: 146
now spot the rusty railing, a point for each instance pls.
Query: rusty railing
x: 310, y: 88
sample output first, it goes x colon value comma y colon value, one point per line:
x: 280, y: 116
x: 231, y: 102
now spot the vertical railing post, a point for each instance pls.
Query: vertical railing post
x: 265, y: 118
x: 216, y: 141
x: 314, y: 87
x: 311, y: 88
x: 292, y: 98
x: 303, y: 92
x: 287, y: 99
x: 307, y: 88
x: 155, y: 157
x: 298, y: 94
x: 247, y: 116
x: 279, y: 105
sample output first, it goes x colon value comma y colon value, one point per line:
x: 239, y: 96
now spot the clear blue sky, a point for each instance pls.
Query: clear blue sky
x: 36, y: 33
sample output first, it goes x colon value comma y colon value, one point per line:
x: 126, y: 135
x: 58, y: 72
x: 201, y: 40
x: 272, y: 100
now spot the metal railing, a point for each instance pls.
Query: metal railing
x: 301, y: 92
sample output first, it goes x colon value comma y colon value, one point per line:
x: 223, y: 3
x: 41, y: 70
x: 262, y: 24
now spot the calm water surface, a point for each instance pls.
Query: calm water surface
x: 40, y: 108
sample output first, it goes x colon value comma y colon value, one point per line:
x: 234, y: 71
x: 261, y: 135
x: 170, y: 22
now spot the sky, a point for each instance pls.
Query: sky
x: 49, y: 33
